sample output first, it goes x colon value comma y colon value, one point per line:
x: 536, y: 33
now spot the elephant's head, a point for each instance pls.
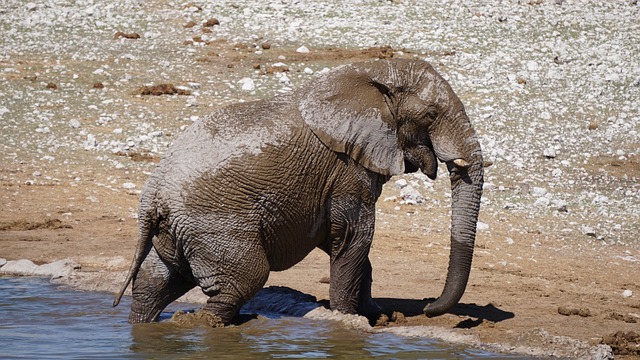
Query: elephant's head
x: 399, y: 116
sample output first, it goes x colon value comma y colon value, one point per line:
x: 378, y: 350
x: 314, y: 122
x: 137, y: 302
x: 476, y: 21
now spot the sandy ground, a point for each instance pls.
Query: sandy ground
x: 535, y: 285
x: 546, y: 274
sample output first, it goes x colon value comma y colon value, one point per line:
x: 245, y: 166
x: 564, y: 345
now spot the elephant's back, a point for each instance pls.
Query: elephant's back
x: 233, y: 132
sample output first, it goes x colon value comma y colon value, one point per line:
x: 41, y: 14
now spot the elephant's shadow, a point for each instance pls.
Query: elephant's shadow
x: 275, y: 301
x: 476, y: 314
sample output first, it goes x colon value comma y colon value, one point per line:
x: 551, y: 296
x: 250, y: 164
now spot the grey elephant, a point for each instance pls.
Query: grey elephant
x: 255, y: 187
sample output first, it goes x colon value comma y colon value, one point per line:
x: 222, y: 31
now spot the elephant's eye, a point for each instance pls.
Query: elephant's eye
x: 432, y: 114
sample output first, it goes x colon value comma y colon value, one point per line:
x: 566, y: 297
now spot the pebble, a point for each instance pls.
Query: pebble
x: 538, y: 191
x: 247, y: 84
x: 587, y: 230
x: 302, y: 49
x: 129, y: 185
x: 550, y: 153
x: 400, y: 183
x: 480, y: 226
x: 627, y: 293
x: 74, y: 123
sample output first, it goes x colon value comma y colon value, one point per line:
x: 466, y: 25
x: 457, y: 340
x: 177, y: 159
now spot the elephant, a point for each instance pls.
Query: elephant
x: 254, y: 187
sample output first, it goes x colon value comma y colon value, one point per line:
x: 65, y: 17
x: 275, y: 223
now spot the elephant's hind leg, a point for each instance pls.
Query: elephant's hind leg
x: 231, y: 277
x: 156, y: 286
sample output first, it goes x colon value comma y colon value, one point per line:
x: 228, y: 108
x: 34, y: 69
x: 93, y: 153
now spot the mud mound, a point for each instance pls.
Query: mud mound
x: 624, y: 343
x: 161, y: 89
x: 24, y: 225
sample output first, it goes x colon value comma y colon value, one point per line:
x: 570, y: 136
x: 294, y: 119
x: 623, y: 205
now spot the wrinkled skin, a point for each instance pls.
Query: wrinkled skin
x: 255, y: 187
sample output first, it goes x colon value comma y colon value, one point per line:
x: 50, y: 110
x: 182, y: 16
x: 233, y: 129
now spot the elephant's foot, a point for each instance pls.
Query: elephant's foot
x: 136, y: 317
x: 201, y: 317
x: 369, y: 309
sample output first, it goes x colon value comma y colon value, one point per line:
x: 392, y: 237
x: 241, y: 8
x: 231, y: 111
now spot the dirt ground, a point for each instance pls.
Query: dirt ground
x: 518, y: 290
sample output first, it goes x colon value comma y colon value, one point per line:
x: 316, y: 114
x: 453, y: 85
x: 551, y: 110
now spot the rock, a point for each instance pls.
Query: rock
x: 302, y: 49
x: 120, y: 34
x: 542, y: 201
x: 247, y: 84
x: 538, y: 191
x: 480, y: 226
x: 587, y: 230
x: 411, y: 196
x: 549, y: 153
x: 18, y: 267
x: 129, y: 186
x: 2, y: 262
x: 74, y: 123
x: 400, y: 183
x: 211, y: 22
x: 57, y: 269
x: 627, y: 293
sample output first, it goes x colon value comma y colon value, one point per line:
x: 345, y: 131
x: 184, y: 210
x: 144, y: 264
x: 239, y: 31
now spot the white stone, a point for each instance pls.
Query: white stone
x: 587, y: 230
x: 129, y: 185
x: 550, y: 153
x: 627, y: 293
x: 56, y: 269
x: 480, y: 226
x: 543, y: 201
x: 600, y: 200
x: 400, y: 183
x: 18, y: 267
x: 247, y: 84
x: 302, y: 49
x: 538, y: 191
x: 308, y: 71
x: 411, y: 196
x: 74, y: 123
x: 283, y: 78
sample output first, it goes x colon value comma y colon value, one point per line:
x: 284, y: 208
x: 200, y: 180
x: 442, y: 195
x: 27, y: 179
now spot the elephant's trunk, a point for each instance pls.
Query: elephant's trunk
x: 466, y: 190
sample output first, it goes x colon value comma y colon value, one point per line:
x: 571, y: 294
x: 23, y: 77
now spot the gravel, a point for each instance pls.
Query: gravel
x: 551, y: 86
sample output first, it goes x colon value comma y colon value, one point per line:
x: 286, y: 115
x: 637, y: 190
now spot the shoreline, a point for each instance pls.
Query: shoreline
x: 67, y: 272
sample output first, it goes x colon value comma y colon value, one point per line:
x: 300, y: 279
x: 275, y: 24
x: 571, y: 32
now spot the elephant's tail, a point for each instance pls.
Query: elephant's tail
x: 147, y: 225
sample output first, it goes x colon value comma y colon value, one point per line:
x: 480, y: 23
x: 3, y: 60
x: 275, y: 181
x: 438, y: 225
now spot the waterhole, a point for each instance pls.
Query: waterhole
x: 42, y: 320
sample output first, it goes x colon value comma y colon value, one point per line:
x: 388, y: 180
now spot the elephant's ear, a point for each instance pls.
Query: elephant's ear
x: 352, y: 114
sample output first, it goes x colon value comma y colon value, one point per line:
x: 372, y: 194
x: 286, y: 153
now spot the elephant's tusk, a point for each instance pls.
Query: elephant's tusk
x: 462, y: 163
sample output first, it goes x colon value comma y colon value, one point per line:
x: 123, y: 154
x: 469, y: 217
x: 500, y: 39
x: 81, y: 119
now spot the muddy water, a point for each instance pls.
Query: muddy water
x: 41, y: 320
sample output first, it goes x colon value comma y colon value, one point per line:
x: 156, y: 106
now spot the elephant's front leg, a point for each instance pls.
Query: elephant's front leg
x: 350, y: 288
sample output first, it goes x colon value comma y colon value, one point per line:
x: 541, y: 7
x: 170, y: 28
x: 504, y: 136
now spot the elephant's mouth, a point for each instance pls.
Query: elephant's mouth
x: 410, y: 167
x: 421, y: 158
